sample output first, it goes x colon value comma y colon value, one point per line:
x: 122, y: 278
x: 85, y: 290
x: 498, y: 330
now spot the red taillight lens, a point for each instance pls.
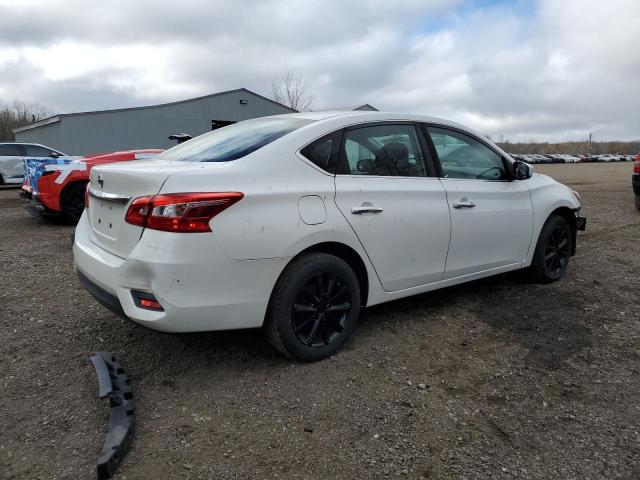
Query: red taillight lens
x: 636, y: 165
x: 86, y: 195
x: 138, y: 211
x: 180, y: 212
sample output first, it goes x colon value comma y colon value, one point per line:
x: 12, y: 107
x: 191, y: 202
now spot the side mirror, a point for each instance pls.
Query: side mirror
x: 54, y: 155
x: 522, y: 171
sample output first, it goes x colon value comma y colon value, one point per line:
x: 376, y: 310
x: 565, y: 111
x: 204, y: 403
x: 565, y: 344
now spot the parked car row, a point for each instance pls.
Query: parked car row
x: 564, y: 158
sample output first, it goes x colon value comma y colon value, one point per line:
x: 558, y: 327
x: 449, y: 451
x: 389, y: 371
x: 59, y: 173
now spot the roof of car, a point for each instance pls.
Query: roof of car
x: 372, y: 116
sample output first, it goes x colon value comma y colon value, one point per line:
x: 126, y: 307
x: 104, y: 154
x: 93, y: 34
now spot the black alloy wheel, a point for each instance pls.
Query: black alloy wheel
x: 314, y: 307
x: 73, y: 202
x: 553, y: 250
x: 320, y: 309
x: 558, y: 250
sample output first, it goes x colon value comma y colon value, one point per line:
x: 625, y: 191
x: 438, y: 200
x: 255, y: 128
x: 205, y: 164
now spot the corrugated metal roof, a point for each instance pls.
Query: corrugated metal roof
x: 56, y: 118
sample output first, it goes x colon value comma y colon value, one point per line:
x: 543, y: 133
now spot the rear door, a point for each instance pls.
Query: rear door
x: 491, y: 214
x: 396, y: 208
x: 11, y: 162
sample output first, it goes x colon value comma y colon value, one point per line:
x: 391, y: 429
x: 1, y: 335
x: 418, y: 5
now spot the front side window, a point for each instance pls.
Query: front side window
x: 11, y: 150
x: 233, y: 141
x: 462, y: 156
x: 324, y: 152
x: 383, y: 150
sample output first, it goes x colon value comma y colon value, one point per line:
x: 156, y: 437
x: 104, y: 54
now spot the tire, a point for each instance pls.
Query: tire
x: 638, y: 202
x: 326, y: 295
x: 553, y: 250
x: 72, y: 202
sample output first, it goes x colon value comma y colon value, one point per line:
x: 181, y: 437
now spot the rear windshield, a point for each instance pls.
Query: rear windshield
x: 233, y: 141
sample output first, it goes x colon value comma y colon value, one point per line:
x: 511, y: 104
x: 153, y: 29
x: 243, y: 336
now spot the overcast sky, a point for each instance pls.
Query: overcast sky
x: 522, y: 70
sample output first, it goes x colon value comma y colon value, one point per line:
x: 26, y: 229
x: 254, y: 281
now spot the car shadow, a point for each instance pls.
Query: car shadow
x: 541, y: 318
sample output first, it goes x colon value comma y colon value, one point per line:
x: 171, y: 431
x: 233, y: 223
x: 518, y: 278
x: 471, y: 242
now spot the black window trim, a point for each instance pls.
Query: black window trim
x: 508, y: 166
x: 300, y: 155
x: 343, y: 165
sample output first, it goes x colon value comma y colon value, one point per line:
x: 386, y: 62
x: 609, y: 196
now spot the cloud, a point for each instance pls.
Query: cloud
x: 524, y: 70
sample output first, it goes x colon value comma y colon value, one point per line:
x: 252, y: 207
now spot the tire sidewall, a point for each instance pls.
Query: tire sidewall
x: 73, y: 189
x: 550, y: 225
x: 293, y: 279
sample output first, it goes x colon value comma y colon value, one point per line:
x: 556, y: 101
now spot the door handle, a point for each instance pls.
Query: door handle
x: 463, y: 203
x: 365, y: 209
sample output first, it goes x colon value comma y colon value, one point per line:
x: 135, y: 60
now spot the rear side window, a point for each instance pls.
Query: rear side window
x: 383, y: 150
x: 233, y: 141
x: 11, y: 150
x: 324, y: 151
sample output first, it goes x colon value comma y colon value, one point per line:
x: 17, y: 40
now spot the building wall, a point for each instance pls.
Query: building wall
x: 98, y: 132
x: 49, y: 135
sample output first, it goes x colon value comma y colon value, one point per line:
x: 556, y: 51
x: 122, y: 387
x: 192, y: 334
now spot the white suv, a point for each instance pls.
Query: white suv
x: 12, y: 157
x: 297, y: 221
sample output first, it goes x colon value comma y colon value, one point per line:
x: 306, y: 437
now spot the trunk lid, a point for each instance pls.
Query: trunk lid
x: 113, y: 187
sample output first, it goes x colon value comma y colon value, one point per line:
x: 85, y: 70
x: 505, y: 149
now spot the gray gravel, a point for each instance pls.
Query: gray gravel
x: 498, y: 378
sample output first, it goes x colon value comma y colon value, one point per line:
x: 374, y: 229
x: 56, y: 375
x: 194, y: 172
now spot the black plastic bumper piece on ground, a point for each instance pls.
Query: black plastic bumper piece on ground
x: 106, y: 299
x: 113, y: 383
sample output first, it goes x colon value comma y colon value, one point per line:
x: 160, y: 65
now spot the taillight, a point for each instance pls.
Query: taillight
x: 636, y: 165
x: 179, y: 212
x: 86, y: 195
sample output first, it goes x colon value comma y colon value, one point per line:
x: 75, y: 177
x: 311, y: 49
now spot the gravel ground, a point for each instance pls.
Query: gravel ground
x: 497, y: 378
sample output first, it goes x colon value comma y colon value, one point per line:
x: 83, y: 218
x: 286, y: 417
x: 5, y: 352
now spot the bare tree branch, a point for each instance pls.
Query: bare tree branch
x: 290, y: 90
x: 22, y: 113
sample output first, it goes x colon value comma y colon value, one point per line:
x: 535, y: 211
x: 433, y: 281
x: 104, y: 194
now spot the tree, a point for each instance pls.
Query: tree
x: 290, y: 90
x: 22, y: 113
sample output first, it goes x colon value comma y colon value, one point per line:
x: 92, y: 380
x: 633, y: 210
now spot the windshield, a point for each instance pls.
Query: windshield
x: 233, y: 141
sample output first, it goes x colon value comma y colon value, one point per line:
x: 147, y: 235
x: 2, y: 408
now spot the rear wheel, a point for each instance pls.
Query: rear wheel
x: 553, y: 250
x: 72, y: 202
x: 638, y: 202
x: 314, y: 307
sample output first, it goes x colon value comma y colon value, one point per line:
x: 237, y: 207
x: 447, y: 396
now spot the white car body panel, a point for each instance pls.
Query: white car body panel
x: 223, y: 279
x: 496, y: 232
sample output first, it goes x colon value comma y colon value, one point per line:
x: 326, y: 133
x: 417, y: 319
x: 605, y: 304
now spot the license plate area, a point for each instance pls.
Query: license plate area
x: 106, y: 218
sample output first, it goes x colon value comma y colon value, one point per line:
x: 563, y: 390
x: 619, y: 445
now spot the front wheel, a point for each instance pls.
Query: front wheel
x: 314, y: 307
x: 638, y: 202
x: 553, y: 250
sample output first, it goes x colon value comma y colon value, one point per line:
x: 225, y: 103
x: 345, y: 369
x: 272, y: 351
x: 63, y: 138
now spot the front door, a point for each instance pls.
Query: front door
x: 491, y: 214
x: 398, y: 212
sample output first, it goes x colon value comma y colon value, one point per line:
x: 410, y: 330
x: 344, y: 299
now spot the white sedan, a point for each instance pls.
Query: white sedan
x: 294, y: 222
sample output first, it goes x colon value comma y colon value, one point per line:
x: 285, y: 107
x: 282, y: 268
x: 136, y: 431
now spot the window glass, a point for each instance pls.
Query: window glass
x: 11, y: 150
x: 384, y: 150
x: 36, y: 151
x: 324, y: 151
x: 233, y: 141
x: 462, y: 156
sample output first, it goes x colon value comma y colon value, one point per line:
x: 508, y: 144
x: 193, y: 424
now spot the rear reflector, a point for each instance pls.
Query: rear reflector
x: 146, y: 300
x: 180, y: 212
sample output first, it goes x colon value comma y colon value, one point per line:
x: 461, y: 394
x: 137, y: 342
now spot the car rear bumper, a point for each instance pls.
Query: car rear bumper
x: 635, y: 182
x: 199, y: 291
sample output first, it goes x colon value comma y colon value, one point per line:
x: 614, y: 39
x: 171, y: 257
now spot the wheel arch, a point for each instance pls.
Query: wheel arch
x: 349, y: 255
x: 67, y: 188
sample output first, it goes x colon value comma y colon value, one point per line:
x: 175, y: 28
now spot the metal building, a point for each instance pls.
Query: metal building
x: 146, y: 127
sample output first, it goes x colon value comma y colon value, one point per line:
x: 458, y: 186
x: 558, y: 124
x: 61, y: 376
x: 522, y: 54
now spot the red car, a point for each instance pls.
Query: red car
x: 58, y: 185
